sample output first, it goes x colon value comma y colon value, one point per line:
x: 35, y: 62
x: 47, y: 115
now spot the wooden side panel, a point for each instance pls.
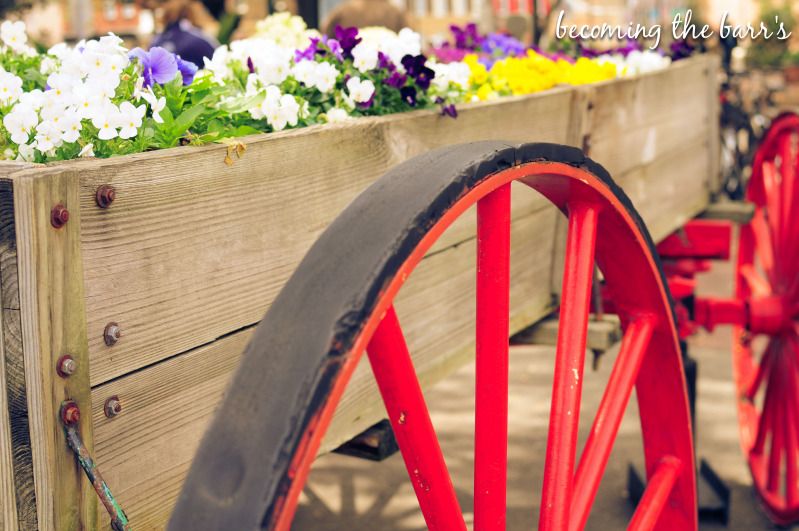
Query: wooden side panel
x: 147, y: 449
x: 51, y: 298
x: 8, y: 499
x: 193, y: 249
x: 13, y: 367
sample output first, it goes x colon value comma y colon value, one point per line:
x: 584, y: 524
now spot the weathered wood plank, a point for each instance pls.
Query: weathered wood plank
x: 146, y: 450
x: 8, y: 498
x: 192, y: 249
x: 13, y: 365
x: 50, y: 279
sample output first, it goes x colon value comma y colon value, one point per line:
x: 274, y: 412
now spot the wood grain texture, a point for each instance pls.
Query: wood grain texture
x: 50, y: 279
x: 146, y: 450
x: 8, y: 498
x: 193, y: 249
x: 13, y: 365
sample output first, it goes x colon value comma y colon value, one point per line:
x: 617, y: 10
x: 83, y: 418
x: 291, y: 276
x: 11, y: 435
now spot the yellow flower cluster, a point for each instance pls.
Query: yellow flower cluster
x: 532, y: 73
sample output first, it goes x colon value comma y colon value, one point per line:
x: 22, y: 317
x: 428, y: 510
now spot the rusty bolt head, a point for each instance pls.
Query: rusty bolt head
x: 105, y: 195
x: 66, y: 366
x: 113, y: 407
x: 59, y: 216
x: 70, y: 413
x: 111, y: 334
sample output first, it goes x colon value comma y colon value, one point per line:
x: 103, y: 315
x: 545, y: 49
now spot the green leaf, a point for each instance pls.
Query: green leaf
x: 186, y: 120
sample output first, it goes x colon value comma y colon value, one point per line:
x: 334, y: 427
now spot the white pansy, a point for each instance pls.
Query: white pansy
x: 305, y: 73
x: 20, y: 122
x: 107, y: 120
x: 33, y: 99
x: 48, y: 136
x: 10, y: 87
x: 87, y: 151
x: 457, y: 73
x: 60, y: 50
x: 27, y: 152
x: 326, y: 75
x: 70, y: 126
x: 156, y: 104
x: 360, y: 91
x: 337, y: 114
x: 218, y: 64
x: 13, y: 35
x: 364, y: 57
x: 130, y: 119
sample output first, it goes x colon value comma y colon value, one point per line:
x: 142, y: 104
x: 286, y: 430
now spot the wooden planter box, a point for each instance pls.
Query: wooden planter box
x: 192, y: 251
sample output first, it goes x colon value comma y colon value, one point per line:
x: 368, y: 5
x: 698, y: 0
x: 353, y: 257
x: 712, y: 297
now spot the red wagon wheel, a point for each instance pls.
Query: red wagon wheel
x: 256, y: 455
x: 767, y: 278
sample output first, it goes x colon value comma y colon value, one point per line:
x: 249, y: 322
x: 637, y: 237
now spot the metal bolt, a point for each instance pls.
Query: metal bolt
x: 66, y: 366
x: 113, y: 407
x: 59, y: 216
x: 70, y: 413
x: 111, y: 334
x: 105, y: 195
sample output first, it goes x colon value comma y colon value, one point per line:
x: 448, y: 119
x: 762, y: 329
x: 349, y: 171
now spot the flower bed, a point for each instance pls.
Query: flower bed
x: 99, y: 99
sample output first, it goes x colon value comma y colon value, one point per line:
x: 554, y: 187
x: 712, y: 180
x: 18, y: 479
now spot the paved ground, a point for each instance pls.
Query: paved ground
x: 347, y: 493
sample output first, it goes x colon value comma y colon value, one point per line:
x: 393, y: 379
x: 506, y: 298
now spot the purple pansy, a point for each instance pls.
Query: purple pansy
x: 250, y: 65
x: 308, y: 53
x: 334, y: 47
x: 396, y: 79
x: 347, y: 39
x: 408, y: 95
x: 187, y: 70
x: 384, y: 61
x: 466, y: 38
x: 447, y: 109
x: 158, y: 65
x: 415, y: 67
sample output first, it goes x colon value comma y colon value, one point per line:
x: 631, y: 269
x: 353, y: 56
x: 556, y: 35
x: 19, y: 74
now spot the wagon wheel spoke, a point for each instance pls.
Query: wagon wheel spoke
x: 773, y: 211
x: 763, y: 245
x: 777, y: 443
x: 608, y: 417
x: 570, y: 357
x: 757, y: 284
x: 766, y: 420
x: 396, y: 378
x: 656, y: 494
x: 491, y: 394
x: 762, y: 371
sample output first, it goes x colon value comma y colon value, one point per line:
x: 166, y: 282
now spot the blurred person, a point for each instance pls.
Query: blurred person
x: 189, y: 28
x: 364, y: 13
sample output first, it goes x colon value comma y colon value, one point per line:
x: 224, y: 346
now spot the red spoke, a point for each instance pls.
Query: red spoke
x: 763, y: 369
x: 608, y: 418
x: 766, y: 421
x: 402, y: 395
x: 566, y: 390
x: 491, y: 395
x: 757, y: 284
x: 791, y: 440
x: 763, y: 244
x: 775, y: 456
x: 788, y: 173
x: 656, y: 494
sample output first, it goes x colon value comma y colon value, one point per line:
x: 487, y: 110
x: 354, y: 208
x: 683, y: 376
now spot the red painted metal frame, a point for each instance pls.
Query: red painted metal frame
x: 767, y: 279
x: 649, y: 358
x: 699, y: 238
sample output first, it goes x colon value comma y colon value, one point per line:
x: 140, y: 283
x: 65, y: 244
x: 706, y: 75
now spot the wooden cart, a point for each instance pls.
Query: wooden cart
x: 149, y: 272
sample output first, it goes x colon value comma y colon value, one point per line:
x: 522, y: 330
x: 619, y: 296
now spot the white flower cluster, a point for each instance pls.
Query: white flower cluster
x: 80, y: 87
x: 14, y: 36
x: 456, y: 73
x: 286, y: 30
x: 393, y: 45
x: 279, y: 110
x: 637, y: 62
x: 320, y: 75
